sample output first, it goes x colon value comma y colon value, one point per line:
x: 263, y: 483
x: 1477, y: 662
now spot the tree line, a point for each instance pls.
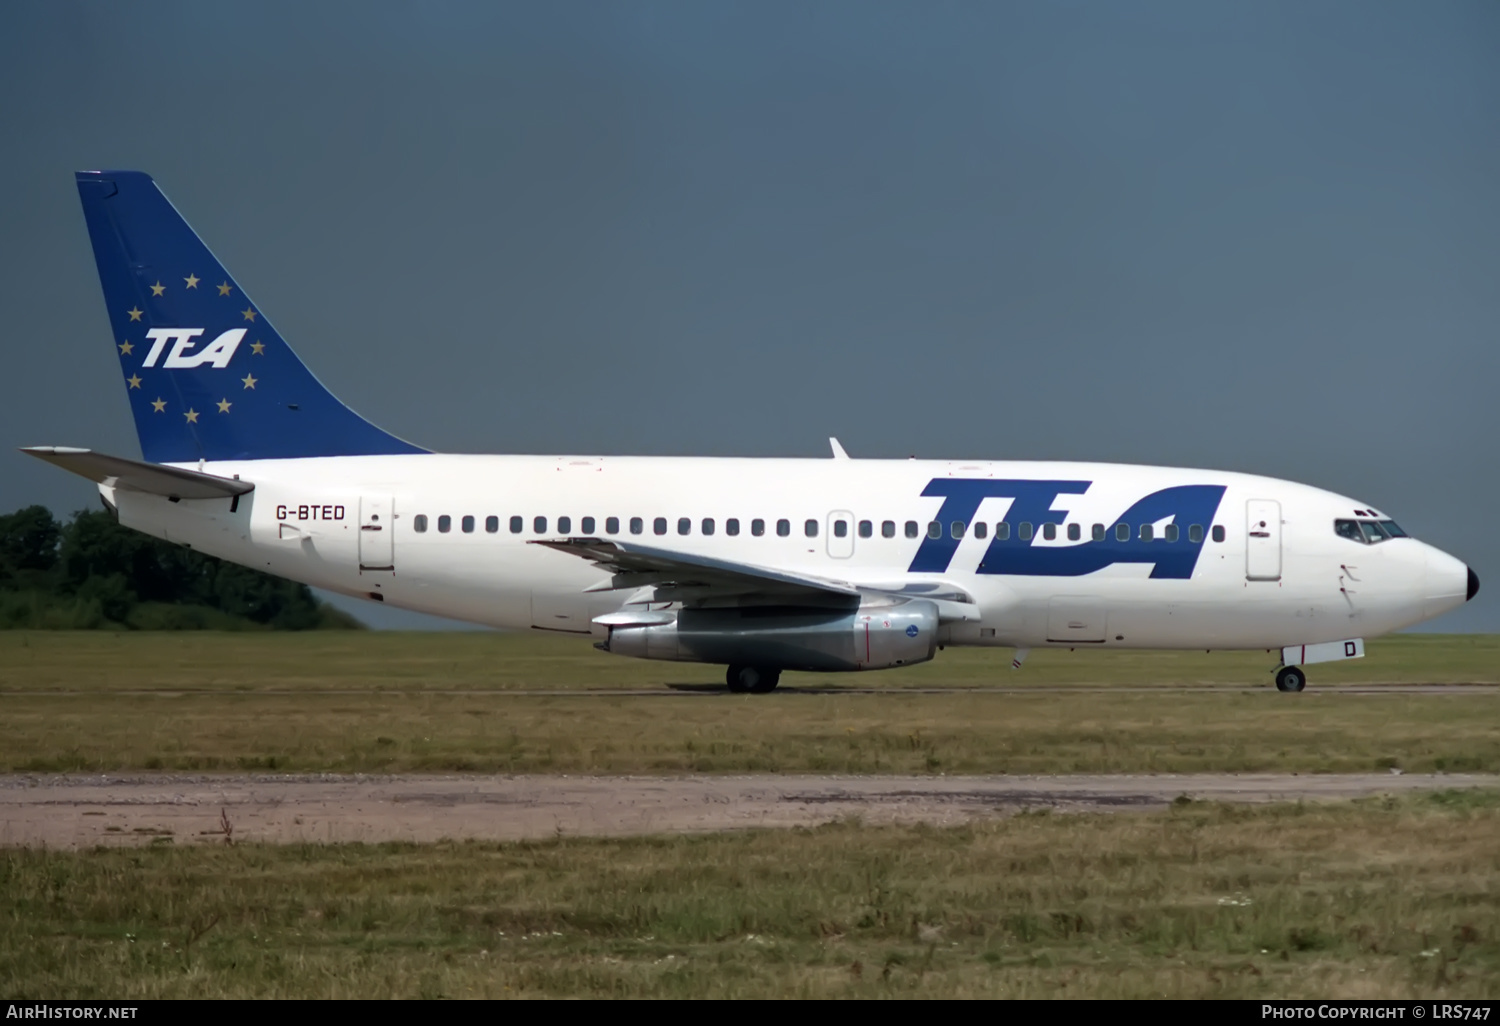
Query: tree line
x: 91, y: 573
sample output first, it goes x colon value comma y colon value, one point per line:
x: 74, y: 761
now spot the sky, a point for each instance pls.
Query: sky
x: 1260, y: 236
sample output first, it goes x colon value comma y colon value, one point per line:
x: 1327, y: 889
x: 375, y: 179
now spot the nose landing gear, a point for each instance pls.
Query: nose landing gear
x: 1290, y: 678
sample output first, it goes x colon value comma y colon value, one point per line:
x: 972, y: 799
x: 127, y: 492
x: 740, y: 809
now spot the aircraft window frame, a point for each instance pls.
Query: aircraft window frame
x: 1171, y: 533
x: 912, y: 530
x: 934, y: 529
x: 587, y: 525
x: 517, y: 524
x: 981, y: 529
x: 1393, y: 529
x: 1075, y: 532
x: 491, y: 524
x: 1098, y: 533
x: 1195, y: 534
x: 637, y: 525
x: 1218, y: 533
x: 732, y: 527
x: 611, y: 525
x: 1374, y: 533
x: 956, y: 530
x: 538, y: 525
x: 564, y: 525
x: 758, y: 528
x: 783, y: 528
x: 1024, y: 531
x: 1002, y: 530
x: 445, y: 524
x: 419, y: 523
x: 866, y: 529
x: 887, y: 529
x: 1148, y: 532
x: 467, y: 524
x: 1122, y: 532
x: 810, y: 528
x: 841, y: 528
x: 684, y: 525
x: 1049, y: 531
x: 706, y: 527
x: 659, y: 525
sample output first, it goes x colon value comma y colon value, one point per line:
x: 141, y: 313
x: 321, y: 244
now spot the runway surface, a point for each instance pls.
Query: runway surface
x: 719, y: 690
x: 63, y: 812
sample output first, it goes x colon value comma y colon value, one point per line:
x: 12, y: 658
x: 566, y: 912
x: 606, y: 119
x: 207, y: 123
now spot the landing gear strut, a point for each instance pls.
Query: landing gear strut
x: 756, y: 680
x: 1290, y: 678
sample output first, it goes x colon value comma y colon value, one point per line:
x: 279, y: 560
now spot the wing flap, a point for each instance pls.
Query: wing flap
x: 135, y: 476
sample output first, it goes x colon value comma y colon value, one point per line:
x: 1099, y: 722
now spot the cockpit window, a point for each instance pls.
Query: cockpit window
x: 1367, y: 532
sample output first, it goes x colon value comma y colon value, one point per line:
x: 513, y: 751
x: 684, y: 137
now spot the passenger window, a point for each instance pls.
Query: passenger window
x: 468, y: 525
x: 611, y: 525
x: 1075, y: 532
x: 956, y: 529
x: 911, y: 528
x: 1148, y: 532
x: 1195, y: 534
x: 684, y: 525
x: 1218, y: 532
x: 564, y: 525
x: 659, y: 525
x: 419, y: 523
x: 1122, y: 532
x: 757, y: 527
x: 934, y: 529
x: 539, y: 525
x: 1170, y: 532
x: 587, y: 527
x: 841, y: 529
x: 866, y: 529
x: 783, y: 528
x: 708, y: 525
x: 887, y: 529
x: 637, y: 525
x: 1097, y: 532
x: 1024, y: 531
x: 516, y: 525
x: 810, y: 528
x: 981, y: 529
x: 491, y: 524
x: 445, y: 523
x: 1049, y: 532
x: 731, y: 527
x: 1002, y: 531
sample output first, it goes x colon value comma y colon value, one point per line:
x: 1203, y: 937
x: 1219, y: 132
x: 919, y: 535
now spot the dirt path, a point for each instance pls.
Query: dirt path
x: 75, y: 811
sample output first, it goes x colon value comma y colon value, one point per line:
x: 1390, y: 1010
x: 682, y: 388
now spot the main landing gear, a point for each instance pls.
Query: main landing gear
x: 1290, y: 678
x: 756, y: 680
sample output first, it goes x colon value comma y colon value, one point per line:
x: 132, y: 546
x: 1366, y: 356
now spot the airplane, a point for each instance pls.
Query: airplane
x: 760, y: 565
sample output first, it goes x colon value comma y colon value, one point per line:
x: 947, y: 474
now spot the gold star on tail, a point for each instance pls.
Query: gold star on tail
x: 158, y: 288
x: 258, y: 348
x: 192, y: 416
x: 159, y: 405
x: 135, y: 313
x: 133, y: 381
x: 192, y: 281
x: 249, y: 380
x: 225, y: 289
x: 249, y: 313
x: 126, y: 347
x: 224, y: 405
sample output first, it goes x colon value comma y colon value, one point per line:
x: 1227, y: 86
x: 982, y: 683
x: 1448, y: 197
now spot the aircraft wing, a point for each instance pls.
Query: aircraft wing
x: 678, y: 576
x: 135, y: 476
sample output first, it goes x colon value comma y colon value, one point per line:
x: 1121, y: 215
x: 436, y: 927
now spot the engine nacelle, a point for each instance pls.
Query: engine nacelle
x: 872, y: 637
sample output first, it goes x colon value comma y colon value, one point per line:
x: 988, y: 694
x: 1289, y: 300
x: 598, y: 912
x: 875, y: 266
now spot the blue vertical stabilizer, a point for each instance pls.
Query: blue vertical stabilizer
x: 207, y: 376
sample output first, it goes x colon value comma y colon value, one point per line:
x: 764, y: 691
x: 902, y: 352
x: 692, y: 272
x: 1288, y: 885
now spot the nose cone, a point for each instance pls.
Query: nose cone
x: 1473, y: 584
x: 1450, y: 583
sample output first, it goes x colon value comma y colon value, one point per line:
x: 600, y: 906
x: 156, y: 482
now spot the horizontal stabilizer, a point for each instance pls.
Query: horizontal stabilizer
x: 135, y: 476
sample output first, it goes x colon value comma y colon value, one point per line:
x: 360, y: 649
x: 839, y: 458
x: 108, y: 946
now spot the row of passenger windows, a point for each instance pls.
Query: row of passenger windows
x: 865, y: 528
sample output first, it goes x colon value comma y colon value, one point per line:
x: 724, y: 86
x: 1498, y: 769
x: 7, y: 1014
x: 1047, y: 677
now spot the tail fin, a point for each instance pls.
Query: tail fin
x: 207, y: 376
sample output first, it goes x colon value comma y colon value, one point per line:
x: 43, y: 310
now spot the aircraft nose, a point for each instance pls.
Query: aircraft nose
x: 1449, y: 580
x: 1473, y: 584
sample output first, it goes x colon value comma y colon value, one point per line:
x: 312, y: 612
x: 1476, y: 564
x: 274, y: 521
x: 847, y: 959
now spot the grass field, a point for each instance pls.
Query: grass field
x: 371, y: 702
x: 1381, y: 898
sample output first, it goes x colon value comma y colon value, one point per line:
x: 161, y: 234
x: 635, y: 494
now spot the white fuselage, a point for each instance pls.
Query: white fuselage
x: 1284, y: 583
